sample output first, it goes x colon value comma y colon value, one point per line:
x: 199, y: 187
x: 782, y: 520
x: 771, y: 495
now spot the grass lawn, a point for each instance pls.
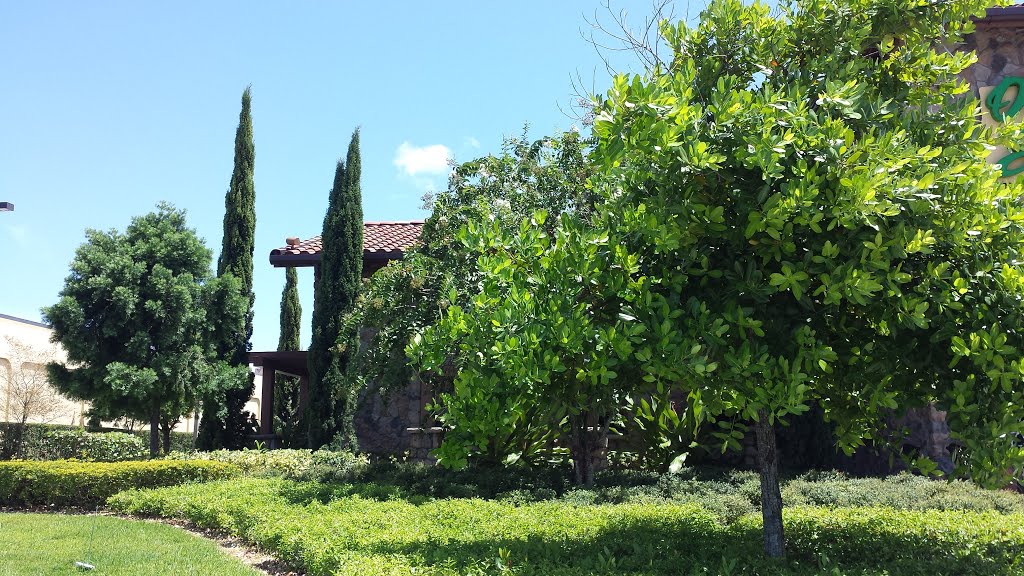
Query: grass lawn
x: 44, y: 544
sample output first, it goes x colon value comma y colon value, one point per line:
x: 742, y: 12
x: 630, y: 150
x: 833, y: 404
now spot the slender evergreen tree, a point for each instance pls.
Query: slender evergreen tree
x: 225, y: 423
x: 332, y: 396
x: 286, y: 393
x: 291, y: 313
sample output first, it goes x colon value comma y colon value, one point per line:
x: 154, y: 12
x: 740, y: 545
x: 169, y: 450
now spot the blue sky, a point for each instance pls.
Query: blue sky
x: 107, y: 108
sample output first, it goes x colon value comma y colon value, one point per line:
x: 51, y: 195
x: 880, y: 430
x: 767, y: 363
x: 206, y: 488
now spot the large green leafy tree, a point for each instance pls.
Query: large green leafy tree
x: 332, y: 395
x: 549, y: 342
x: 225, y: 421
x: 811, y: 190
x: 142, y: 321
x: 405, y: 297
x: 286, y: 392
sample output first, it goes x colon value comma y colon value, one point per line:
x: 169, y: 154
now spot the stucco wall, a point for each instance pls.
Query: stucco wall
x: 34, y: 338
x: 24, y: 349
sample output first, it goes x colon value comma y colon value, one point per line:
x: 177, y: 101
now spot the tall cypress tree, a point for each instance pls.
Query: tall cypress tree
x: 332, y: 398
x: 291, y: 313
x: 225, y: 424
x: 286, y: 396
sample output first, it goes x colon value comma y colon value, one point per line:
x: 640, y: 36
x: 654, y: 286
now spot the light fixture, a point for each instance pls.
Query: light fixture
x: 6, y: 206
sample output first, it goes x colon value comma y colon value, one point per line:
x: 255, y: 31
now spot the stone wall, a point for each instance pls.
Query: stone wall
x: 397, y: 424
x: 1000, y: 49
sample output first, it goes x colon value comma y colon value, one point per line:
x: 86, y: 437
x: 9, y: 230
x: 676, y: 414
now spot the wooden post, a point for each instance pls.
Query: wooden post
x: 267, y: 402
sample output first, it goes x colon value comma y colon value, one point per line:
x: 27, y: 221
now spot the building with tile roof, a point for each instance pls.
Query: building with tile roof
x: 397, y: 426
x: 382, y: 243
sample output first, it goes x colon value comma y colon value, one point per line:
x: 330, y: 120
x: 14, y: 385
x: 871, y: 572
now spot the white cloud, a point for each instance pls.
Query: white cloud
x: 473, y: 142
x: 415, y: 160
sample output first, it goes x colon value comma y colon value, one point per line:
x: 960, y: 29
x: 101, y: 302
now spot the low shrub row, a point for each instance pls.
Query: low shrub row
x: 728, y: 493
x: 58, y: 442
x: 319, y: 465
x: 348, y: 530
x: 89, y: 484
x: 91, y: 446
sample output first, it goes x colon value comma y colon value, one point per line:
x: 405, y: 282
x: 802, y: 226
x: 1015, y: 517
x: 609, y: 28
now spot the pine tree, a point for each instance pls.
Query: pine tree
x: 332, y: 397
x: 225, y: 424
x: 286, y: 397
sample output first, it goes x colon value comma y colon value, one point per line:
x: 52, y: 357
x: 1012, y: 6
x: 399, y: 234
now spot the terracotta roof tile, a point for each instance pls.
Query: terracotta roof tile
x: 380, y: 239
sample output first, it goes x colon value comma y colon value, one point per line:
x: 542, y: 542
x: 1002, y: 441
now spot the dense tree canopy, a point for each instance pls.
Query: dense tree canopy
x: 801, y: 213
x: 401, y: 299
x: 142, y: 321
x: 546, y: 345
x: 811, y: 190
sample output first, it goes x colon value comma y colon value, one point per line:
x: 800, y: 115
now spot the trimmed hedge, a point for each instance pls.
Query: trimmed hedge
x: 89, y: 484
x: 349, y: 530
x: 59, y: 441
x: 92, y: 446
x: 299, y: 464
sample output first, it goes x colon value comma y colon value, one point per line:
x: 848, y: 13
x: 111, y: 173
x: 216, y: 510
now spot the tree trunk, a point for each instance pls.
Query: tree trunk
x: 771, y: 495
x: 578, y: 450
x: 588, y: 446
x: 154, y: 431
x: 165, y: 429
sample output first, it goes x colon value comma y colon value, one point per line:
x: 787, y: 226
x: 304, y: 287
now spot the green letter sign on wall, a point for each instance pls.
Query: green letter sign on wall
x: 1001, y: 109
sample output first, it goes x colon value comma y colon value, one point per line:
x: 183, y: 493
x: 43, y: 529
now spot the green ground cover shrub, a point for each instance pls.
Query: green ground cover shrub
x: 299, y: 464
x: 728, y: 493
x: 50, y: 544
x: 88, y: 484
x: 348, y: 529
x: 901, y: 491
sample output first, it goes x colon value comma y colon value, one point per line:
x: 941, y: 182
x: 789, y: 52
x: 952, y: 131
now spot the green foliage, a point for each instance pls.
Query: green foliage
x: 58, y: 441
x: 65, y: 483
x: 291, y: 313
x: 50, y: 544
x: 902, y: 491
x: 809, y: 191
x: 351, y: 532
x: 842, y: 239
x: 405, y: 297
x: 332, y: 391
x: 286, y: 388
x: 240, y: 208
x: 141, y: 321
x: 297, y: 464
x: 558, y: 360
x: 92, y: 446
x: 662, y: 432
x: 225, y: 424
